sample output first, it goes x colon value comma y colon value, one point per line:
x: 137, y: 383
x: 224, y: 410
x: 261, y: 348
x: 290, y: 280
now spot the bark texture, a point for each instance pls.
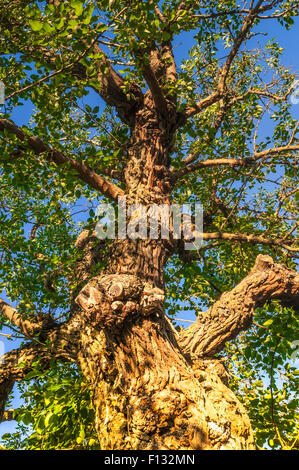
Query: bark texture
x: 148, y: 394
x: 155, y: 388
x: 233, y: 312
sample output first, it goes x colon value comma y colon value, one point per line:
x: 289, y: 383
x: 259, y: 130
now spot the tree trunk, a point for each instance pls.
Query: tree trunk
x: 147, y: 393
x: 153, y: 387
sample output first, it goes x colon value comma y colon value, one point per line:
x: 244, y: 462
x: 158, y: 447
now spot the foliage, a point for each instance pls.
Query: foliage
x: 265, y: 379
x: 43, y: 206
x: 57, y: 412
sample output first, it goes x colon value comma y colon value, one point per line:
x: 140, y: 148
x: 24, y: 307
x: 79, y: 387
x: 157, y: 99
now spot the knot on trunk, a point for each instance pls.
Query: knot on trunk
x: 109, y: 300
x: 219, y: 432
x: 152, y: 300
x: 201, y: 366
x: 262, y: 263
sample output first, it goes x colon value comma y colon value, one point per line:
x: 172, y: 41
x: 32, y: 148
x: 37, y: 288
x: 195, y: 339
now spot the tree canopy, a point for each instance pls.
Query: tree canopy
x: 80, y: 70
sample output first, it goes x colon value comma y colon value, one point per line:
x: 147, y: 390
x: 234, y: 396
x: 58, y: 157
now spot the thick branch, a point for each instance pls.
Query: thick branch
x: 249, y: 20
x: 156, y: 90
x: 112, y: 88
x: 167, y: 50
x: 83, y: 172
x: 14, y: 366
x: 203, y: 104
x: 60, y: 343
x: 234, y: 310
x: 153, y: 68
x: 256, y: 239
x: 28, y: 328
x: 233, y: 162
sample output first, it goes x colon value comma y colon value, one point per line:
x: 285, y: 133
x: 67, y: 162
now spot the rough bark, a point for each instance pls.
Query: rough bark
x: 155, y: 389
x: 152, y: 388
x: 148, y: 395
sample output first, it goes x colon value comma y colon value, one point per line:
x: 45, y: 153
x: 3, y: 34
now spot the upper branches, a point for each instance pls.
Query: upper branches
x: 69, y: 55
x: 110, y: 84
x: 112, y: 88
x: 155, y: 59
x: 221, y: 92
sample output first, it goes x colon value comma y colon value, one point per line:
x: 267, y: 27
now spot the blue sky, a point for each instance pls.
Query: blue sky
x: 289, y: 40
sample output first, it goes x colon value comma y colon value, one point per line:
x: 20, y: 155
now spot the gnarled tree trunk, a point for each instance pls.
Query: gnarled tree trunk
x: 150, y: 394
x: 155, y: 388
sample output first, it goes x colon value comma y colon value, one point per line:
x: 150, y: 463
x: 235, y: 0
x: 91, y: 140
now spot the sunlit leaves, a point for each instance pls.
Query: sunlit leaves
x: 58, y: 412
x: 265, y: 378
x: 43, y: 207
x: 36, y: 25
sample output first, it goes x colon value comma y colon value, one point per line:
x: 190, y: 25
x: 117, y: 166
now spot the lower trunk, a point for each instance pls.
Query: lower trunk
x: 147, y: 394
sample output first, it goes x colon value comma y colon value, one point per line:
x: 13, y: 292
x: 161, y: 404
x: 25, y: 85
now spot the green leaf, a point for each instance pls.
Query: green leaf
x: 48, y: 28
x: 32, y: 375
x: 165, y: 36
x: 47, y: 419
x: 78, y: 7
x: 73, y: 23
x: 27, y: 418
x: 36, y: 25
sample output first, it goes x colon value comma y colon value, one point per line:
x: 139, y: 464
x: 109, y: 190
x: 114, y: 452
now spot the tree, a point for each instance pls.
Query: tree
x: 101, y: 349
